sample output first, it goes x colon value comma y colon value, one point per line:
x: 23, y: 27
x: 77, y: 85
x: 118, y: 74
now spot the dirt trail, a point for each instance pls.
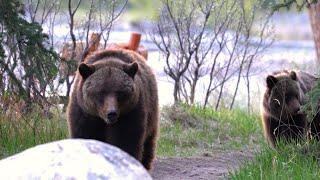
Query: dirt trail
x: 215, y: 167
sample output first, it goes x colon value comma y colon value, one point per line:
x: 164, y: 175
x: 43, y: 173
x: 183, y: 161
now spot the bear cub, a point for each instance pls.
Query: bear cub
x: 115, y: 100
x: 282, y: 117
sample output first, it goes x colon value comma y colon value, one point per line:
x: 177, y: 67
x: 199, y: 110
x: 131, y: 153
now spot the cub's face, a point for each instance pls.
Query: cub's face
x: 284, y: 100
x: 108, y: 92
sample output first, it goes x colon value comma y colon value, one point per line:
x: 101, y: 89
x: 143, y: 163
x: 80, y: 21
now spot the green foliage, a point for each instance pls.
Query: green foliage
x: 299, y: 4
x: 205, y: 132
x: 288, y: 162
x: 21, y: 132
x: 191, y: 130
x: 312, y: 105
x: 268, y: 3
x: 185, y: 131
x: 26, y: 57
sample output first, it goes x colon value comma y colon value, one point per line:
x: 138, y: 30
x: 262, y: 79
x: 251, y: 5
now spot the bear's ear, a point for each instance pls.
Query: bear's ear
x: 86, y: 70
x: 293, y: 75
x: 271, y: 81
x: 131, y: 69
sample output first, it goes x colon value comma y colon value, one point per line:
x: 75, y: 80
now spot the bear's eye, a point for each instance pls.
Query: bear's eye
x: 287, y: 98
x: 290, y: 96
x: 122, y: 96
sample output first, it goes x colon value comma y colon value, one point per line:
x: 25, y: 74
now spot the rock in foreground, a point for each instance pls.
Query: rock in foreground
x: 72, y: 159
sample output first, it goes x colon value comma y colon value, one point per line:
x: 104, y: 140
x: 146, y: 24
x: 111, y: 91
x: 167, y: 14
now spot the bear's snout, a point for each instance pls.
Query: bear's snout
x: 109, y: 111
x: 294, y: 106
x: 296, y: 110
x: 112, y: 116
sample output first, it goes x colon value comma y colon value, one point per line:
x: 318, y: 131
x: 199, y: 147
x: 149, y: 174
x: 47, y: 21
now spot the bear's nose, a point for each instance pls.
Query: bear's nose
x: 296, y: 110
x: 112, y: 116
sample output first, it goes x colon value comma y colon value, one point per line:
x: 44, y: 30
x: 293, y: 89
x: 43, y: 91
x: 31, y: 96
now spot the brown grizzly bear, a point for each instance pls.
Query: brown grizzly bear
x: 282, y: 117
x: 115, y: 100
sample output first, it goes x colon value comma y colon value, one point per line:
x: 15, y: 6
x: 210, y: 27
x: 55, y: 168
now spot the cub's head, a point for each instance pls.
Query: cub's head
x: 284, y: 95
x: 108, y: 92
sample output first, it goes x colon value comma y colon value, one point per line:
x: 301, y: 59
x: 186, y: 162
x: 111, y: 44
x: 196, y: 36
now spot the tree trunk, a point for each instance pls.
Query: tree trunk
x: 314, y: 14
x: 236, y: 90
x: 69, y: 84
x: 193, y: 87
x: 192, y: 93
x: 176, y: 91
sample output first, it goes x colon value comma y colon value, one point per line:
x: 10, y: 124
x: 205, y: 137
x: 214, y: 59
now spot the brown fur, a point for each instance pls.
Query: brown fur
x: 116, y: 83
x: 282, y: 117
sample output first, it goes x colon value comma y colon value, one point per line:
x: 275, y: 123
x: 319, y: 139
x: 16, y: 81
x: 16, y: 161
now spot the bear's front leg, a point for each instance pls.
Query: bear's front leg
x: 130, y: 138
x: 149, y: 151
x: 132, y: 143
x: 82, y: 125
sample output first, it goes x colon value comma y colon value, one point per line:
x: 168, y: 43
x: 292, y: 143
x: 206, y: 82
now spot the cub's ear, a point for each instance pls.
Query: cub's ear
x: 293, y: 75
x: 131, y: 69
x: 86, y: 70
x: 271, y: 81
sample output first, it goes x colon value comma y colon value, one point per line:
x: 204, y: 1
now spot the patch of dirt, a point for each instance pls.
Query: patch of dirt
x: 203, y: 167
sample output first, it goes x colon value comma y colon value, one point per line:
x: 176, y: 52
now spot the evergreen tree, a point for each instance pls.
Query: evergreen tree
x: 27, y: 65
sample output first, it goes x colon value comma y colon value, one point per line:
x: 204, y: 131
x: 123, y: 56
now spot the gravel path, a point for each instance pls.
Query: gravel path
x: 215, y: 167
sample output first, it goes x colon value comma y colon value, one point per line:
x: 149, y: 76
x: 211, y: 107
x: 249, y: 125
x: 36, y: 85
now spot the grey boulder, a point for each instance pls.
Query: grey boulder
x: 72, y: 159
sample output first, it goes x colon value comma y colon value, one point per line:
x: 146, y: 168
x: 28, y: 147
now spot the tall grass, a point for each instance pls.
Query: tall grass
x: 187, y: 131
x: 18, y: 133
x: 289, y: 161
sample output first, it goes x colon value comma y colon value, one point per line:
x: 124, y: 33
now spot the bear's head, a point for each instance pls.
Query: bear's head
x: 108, y: 92
x: 284, y: 95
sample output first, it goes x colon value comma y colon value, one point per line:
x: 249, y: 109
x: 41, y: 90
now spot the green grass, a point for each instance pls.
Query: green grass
x: 19, y: 133
x: 288, y: 162
x: 191, y: 131
x: 184, y: 131
x: 187, y: 131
